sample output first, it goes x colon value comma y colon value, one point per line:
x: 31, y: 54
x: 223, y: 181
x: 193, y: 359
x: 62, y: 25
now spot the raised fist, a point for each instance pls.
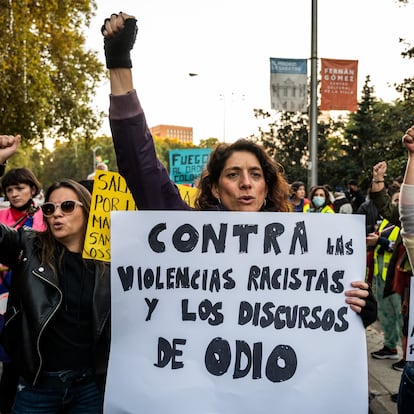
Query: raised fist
x: 120, y: 32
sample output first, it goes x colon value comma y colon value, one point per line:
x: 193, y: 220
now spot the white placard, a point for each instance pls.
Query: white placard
x: 225, y: 313
x: 410, y: 339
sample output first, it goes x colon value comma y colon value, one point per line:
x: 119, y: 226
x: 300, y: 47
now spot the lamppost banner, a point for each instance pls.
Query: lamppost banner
x: 339, y: 85
x: 288, y: 79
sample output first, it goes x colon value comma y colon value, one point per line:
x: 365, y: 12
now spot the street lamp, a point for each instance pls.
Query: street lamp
x: 222, y: 97
x: 227, y: 110
x: 94, y: 149
x: 228, y: 98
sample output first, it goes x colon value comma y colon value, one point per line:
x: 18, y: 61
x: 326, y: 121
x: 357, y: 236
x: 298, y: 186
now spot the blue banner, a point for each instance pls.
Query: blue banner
x: 294, y: 66
x: 186, y: 165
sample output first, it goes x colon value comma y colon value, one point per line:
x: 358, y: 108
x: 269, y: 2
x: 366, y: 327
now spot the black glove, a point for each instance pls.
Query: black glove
x: 369, y: 311
x: 117, y: 48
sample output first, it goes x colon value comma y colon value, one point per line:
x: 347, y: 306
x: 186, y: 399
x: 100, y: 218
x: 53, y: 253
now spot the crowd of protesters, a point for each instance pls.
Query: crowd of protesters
x: 57, y: 322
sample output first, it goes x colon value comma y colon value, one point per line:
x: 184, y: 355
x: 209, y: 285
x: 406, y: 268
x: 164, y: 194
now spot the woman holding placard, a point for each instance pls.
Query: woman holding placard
x: 239, y: 176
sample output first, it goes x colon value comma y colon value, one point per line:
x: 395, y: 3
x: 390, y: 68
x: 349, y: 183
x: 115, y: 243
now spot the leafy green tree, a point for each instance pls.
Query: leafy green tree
x: 363, y: 136
x: 163, y: 147
x: 330, y: 152
x: 47, y: 78
x: 69, y: 159
x: 397, y: 119
x: 286, y: 139
x: 209, y: 143
x: 373, y: 134
x: 75, y: 158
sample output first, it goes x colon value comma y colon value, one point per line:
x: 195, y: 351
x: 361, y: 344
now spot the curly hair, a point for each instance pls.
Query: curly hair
x: 326, y: 192
x: 278, y: 188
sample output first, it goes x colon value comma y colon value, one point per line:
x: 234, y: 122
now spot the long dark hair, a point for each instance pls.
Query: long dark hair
x: 326, y: 192
x: 48, y: 248
x: 278, y: 188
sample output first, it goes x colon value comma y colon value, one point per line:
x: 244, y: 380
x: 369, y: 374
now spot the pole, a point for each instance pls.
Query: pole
x: 313, y: 115
x: 223, y: 95
x: 94, y: 157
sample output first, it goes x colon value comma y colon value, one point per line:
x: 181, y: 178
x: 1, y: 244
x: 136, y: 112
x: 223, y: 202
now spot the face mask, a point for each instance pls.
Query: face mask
x: 318, y: 201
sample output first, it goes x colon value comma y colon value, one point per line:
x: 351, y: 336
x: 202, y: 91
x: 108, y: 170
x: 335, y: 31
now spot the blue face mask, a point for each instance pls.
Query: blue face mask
x: 318, y: 201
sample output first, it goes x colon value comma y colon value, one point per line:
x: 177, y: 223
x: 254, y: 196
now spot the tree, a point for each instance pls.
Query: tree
x: 330, y: 151
x: 163, y: 147
x: 286, y: 140
x: 69, y: 159
x: 373, y: 134
x: 209, y: 142
x: 75, y: 158
x: 363, y: 135
x: 47, y: 78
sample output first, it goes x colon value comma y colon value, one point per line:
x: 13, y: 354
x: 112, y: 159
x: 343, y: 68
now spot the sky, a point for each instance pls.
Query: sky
x: 228, y: 44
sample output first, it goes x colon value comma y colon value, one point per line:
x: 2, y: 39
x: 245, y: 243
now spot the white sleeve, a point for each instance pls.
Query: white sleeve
x: 407, y: 219
x: 407, y: 209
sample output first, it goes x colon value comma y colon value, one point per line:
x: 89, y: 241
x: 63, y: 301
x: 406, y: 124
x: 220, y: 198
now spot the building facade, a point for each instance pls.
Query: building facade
x: 181, y: 133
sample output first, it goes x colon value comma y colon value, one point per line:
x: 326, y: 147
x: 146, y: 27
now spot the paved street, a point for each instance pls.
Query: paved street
x: 382, y: 379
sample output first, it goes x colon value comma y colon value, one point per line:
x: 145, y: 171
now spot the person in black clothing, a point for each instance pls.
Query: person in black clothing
x: 355, y: 195
x: 372, y: 216
x: 57, y: 323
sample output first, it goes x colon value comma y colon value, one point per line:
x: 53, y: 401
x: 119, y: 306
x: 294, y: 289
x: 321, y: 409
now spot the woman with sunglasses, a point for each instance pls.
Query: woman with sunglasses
x: 57, y: 321
x: 20, y: 186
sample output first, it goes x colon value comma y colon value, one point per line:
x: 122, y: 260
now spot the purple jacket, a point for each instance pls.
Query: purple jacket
x: 146, y: 177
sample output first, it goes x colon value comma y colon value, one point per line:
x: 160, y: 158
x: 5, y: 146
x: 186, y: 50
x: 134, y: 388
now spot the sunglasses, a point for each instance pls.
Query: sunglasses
x: 67, y: 207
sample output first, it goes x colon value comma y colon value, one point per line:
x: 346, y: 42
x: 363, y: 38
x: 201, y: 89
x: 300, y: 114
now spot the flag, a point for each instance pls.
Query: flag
x: 288, y: 90
x: 339, y: 85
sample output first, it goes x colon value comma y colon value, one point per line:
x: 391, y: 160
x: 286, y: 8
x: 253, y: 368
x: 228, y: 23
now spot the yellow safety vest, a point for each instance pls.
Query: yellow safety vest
x: 387, y: 255
x: 326, y: 209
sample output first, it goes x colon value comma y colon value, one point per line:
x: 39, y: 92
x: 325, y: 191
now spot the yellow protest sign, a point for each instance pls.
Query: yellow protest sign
x: 188, y: 194
x: 111, y: 193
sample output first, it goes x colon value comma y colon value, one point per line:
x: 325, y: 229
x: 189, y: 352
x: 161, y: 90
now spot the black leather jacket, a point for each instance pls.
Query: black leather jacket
x: 35, y: 297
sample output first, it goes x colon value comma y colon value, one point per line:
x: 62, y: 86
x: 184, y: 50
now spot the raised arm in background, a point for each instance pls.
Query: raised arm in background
x: 380, y: 196
x: 8, y: 146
